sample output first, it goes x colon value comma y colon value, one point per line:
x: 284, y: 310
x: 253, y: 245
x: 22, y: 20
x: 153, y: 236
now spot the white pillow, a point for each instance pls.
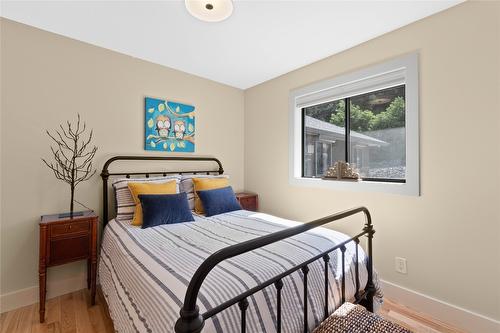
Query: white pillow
x: 125, y: 205
x: 187, y: 185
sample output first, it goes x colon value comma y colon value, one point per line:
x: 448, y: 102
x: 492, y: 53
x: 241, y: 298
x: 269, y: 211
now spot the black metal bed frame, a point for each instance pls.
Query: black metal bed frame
x: 191, y: 320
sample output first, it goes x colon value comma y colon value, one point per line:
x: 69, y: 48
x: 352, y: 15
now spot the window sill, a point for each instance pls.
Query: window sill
x: 407, y: 188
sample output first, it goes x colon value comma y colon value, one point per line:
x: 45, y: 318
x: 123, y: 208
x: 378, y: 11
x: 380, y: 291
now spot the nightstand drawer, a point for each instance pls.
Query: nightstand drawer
x: 70, y: 228
x: 68, y: 249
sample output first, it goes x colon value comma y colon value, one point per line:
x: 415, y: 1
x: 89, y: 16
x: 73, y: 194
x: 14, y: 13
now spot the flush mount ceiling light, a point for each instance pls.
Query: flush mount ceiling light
x: 210, y: 10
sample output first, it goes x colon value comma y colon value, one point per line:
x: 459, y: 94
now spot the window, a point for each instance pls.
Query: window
x: 368, y: 118
x: 375, y: 140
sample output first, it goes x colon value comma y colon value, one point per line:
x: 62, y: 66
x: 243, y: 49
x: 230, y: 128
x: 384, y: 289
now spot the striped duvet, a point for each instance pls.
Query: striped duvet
x: 144, y: 273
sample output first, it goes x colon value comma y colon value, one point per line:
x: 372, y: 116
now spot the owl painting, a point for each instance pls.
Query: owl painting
x: 170, y: 126
x: 179, y: 129
x: 163, y: 126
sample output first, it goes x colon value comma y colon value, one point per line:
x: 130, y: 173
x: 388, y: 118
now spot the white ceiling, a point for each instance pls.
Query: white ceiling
x: 260, y: 41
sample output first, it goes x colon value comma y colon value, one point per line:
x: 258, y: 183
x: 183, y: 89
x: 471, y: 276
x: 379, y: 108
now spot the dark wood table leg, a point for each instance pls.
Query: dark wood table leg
x: 42, y: 282
x: 42, y: 272
x: 93, y: 276
x: 93, y: 263
x: 88, y: 272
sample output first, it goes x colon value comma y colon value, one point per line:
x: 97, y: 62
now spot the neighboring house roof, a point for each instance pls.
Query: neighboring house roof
x: 329, y: 131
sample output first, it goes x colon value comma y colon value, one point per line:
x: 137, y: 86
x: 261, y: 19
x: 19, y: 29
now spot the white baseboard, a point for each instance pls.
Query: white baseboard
x: 445, y: 312
x: 28, y: 296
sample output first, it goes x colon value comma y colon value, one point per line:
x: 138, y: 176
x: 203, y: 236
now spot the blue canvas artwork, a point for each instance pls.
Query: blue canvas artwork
x: 169, y: 126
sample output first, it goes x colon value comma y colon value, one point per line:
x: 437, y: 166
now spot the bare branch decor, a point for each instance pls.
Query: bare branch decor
x: 73, y: 155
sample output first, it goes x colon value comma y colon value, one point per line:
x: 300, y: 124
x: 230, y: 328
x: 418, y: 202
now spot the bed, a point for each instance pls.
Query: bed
x: 238, y: 271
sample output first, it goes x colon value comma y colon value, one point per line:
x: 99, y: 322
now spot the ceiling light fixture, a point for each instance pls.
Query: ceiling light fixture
x: 210, y: 10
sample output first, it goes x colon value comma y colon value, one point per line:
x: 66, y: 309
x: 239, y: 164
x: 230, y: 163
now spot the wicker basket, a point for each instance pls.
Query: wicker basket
x: 350, y: 318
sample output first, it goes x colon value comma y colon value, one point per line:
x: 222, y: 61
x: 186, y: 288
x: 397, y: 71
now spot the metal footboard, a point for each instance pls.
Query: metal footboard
x: 192, y: 321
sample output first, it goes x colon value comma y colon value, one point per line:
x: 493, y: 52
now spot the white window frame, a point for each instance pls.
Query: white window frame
x: 403, y: 70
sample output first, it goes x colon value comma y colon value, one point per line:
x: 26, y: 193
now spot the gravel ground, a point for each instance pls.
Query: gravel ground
x: 388, y: 172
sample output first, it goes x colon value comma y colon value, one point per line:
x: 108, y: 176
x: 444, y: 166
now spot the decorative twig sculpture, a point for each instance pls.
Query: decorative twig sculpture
x: 341, y: 170
x: 73, y: 156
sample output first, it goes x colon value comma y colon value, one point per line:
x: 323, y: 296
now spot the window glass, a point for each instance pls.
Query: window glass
x: 324, y: 140
x: 378, y: 135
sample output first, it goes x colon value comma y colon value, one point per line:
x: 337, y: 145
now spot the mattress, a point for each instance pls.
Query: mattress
x: 144, y: 273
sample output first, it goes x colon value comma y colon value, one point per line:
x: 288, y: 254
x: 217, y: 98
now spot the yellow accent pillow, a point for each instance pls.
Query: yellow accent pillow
x: 201, y: 184
x: 148, y: 188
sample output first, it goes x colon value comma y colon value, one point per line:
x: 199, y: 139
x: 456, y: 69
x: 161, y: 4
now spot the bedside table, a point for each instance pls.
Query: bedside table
x: 248, y: 201
x: 64, y: 240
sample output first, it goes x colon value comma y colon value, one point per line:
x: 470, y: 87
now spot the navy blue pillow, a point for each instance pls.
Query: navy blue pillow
x: 218, y: 201
x: 158, y: 209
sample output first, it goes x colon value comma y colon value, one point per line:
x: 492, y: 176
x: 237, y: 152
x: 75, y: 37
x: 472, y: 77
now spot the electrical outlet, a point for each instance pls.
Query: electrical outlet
x: 401, y: 265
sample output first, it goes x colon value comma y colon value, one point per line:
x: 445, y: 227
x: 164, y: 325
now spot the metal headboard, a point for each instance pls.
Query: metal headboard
x: 105, y: 174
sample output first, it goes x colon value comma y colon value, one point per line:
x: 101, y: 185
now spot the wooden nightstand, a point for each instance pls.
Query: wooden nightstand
x: 64, y: 240
x: 248, y: 201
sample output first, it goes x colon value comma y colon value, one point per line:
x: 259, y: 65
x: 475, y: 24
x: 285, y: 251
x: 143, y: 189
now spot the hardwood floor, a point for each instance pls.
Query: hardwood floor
x: 413, y: 320
x: 71, y: 314
x: 67, y: 313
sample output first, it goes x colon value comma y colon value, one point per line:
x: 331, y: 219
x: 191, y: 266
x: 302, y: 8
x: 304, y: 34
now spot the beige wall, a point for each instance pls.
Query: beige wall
x: 51, y: 78
x: 47, y: 79
x: 451, y: 233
